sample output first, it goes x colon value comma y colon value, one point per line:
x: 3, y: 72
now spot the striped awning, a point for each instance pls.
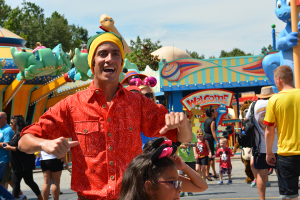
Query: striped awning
x: 7, y: 36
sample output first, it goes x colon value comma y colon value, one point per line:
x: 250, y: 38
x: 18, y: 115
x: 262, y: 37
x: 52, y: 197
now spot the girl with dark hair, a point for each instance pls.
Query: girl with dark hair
x: 153, y: 175
x: 22, y: 163
x: 211, y: 136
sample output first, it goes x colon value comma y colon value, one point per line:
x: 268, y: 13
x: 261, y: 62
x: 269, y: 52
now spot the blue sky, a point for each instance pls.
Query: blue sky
x: 204, y: 26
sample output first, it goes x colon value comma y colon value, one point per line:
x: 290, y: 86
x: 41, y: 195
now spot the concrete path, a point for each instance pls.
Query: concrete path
x: 238, y: 190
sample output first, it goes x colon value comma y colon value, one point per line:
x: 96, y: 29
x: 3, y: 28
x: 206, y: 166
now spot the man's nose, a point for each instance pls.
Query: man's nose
x: 108, y: 57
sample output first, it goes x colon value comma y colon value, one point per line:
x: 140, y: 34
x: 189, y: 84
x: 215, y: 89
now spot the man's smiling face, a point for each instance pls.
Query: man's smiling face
x: 108, y: 61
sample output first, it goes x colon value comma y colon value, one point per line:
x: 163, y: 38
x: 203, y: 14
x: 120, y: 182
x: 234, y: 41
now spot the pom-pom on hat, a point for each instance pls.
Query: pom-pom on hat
x: 132, y: 72
x: 96, y: 40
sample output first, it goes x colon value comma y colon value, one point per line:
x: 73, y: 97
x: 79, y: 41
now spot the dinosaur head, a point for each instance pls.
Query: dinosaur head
x: 222, y: 109
x: 283, y: 10
x: 107, y: 22
x: 66, y: 59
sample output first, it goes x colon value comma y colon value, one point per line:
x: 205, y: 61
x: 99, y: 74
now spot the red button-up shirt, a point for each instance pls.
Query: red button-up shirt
x: 109, y: 136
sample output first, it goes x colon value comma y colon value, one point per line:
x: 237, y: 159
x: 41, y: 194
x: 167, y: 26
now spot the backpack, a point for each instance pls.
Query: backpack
x: 248, y: 139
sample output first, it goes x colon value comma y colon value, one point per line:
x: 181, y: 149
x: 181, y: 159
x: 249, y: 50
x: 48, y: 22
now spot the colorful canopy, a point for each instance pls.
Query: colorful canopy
x: 9, y: 38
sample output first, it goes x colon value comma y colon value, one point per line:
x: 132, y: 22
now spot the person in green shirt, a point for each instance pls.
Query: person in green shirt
x: 186, y: 152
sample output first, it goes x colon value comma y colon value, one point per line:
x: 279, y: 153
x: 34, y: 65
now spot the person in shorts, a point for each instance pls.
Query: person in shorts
x: 202, y: 152
x: 259, y: 165
x: 283, y: 111
x: 52, y: 169
x: 225, y: 163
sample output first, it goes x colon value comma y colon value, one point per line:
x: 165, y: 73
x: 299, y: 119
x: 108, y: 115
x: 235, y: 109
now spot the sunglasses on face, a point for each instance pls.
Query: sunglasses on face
x: 176, y: 183
x: 149, y: 95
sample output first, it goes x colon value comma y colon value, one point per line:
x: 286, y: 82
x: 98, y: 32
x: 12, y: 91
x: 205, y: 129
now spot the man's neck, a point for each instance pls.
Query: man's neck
x: 2, y: 125
x: 287, y: 87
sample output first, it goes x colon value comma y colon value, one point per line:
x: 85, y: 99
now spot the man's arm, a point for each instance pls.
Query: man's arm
x: 58, y: 147
x: 269, y: 137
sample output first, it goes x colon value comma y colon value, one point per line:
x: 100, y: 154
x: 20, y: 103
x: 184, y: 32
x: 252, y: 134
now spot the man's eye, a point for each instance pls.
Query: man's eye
x: 102, y: 54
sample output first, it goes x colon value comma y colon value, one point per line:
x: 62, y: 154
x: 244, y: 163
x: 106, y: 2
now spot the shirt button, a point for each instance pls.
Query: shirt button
x: 109, y: 134
x: 84, y: 130
x: 111, y: 162
x: 130, y: 129
x: 103, y: 106
x: 112, y: 177
x: 97, y: 91
x: 108, y: 119
x: 110, y: 148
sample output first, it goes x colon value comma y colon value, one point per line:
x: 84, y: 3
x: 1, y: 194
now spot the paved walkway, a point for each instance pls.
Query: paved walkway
x: 238, y: 190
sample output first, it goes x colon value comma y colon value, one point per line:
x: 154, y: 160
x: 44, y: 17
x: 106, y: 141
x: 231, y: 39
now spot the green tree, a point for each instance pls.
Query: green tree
x: 194, y: 54
x: 4, y: 12
x: 270, y: 48
x: 57, y: 31
x: 28, y: 22
x: 235, y: 52
x: 79, y: 35
x: 141, y: 53
x: 212, y: 57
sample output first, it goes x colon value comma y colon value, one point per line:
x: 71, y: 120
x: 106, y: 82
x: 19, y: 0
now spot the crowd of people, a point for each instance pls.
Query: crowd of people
x: 125, y: 146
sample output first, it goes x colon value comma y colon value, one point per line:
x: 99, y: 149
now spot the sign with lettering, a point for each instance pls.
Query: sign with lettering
x: 217, y: 99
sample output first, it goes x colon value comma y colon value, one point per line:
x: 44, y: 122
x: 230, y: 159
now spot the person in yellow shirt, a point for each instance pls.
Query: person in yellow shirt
x: 283, y: 111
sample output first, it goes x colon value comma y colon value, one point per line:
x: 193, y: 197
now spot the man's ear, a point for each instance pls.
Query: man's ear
x: 93, y: 63
x: 148, y: 187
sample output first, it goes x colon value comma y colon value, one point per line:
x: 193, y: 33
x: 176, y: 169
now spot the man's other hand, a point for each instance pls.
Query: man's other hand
x: 58, y: 147
x: 271, y: 159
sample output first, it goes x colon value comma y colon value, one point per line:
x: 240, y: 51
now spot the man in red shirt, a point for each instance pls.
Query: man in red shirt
x: 105, y: 122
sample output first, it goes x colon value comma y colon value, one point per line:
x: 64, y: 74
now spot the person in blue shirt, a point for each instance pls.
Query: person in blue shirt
x: 6, y: 134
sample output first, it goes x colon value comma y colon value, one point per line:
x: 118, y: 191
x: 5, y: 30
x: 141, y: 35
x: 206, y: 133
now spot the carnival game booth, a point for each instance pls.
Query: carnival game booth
x: 200, y: 84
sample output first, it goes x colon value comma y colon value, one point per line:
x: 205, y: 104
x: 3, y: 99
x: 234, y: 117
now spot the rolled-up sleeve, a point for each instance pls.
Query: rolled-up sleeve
x: 153, y: 120
x: 54, y: 123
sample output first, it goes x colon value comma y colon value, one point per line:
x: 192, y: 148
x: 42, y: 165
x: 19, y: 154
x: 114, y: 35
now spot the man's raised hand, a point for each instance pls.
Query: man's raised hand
x: 173, y: 120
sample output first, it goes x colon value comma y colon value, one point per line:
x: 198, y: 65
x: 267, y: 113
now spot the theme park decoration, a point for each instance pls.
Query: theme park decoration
x: 134, y: 78
x: 2, y: 64
x: 108, y: 23
x: 285, y: 42
x: 51, y: 62
x: 197, y: 102
x: 195, y: 74
x: 296, y: 50
x: 176, y: 70
x: 83, y: 71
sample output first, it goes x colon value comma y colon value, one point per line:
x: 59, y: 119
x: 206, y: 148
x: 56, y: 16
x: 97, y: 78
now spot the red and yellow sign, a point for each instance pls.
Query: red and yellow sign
x: 197, y: 102
x: 207, y: 98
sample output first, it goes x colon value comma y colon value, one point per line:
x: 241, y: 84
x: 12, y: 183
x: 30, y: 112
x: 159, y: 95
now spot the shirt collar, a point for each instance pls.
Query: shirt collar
x: 92, y: 90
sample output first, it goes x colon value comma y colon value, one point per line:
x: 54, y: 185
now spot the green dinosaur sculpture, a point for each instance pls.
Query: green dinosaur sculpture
x: 82, y: 67
x: 2, y: 64
x: 49, y: 63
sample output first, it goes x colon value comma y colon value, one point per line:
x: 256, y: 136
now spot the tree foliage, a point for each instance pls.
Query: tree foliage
x: 194, y: 54
x: 4, y: 11
x: 30, y: 23
x: 141, y: 53
x: 235, y: 52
